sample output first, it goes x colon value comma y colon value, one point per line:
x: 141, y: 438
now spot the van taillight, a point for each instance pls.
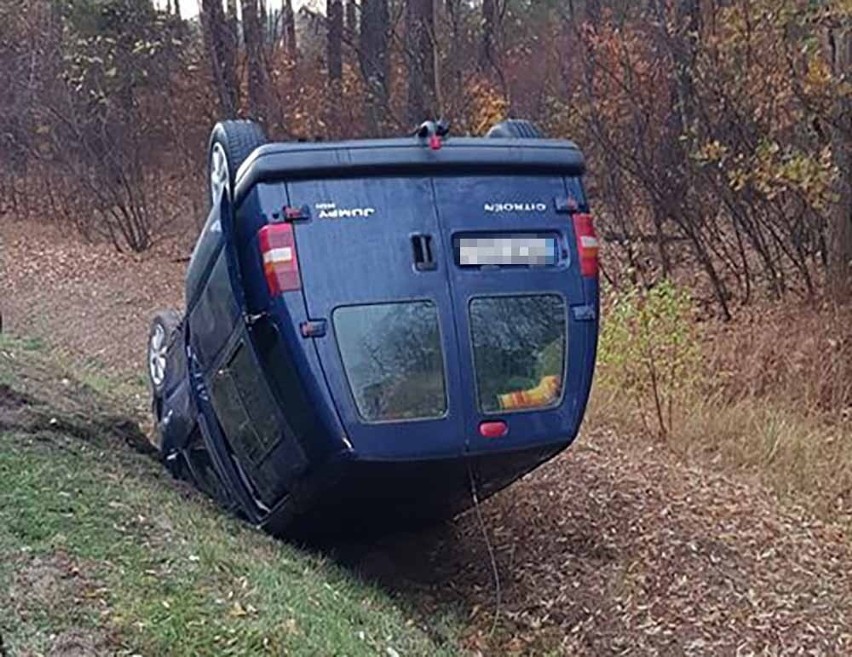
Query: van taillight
x: 280, y: 263
x: 587, y: 244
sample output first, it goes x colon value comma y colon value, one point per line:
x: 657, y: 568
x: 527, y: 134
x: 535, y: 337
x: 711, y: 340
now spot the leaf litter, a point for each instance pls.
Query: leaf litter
x: 617, y: 547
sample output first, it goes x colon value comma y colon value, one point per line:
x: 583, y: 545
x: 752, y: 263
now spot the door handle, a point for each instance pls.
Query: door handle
x: 424, y: 256
x: 251, y: 320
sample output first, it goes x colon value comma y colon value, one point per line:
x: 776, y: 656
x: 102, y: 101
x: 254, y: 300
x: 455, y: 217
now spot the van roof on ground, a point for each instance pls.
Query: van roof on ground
x: 300, y: 160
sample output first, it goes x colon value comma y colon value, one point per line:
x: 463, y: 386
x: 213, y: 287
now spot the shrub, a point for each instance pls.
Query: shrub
x: 649, y: 350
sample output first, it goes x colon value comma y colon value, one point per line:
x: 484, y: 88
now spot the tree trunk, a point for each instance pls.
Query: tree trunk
x: 593, y: 11
x: 840, y: 217
x: 264, y: 21
x: 289, y: 18
x: 253, y: 37
x: 488, y: 44
x: 375, y: 21
x: 233, y: 23
x: 454, y: 61
x: 351, y: 18
x: 420, y: 53
x: 335, y: 41
x: 685, y: 54
x: 221, y: 50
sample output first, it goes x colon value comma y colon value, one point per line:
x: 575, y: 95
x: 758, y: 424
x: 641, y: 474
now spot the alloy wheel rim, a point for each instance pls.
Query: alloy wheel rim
x: 157, y: 355
x: 218, y: 173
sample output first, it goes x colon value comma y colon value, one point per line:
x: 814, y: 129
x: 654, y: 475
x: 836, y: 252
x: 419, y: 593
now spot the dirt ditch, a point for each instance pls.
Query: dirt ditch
x: 615, y: 547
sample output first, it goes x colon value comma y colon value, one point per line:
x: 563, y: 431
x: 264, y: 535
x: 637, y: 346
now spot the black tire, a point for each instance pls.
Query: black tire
x: 237, y: 139
x: 515, y: 129
x: 164, y: 326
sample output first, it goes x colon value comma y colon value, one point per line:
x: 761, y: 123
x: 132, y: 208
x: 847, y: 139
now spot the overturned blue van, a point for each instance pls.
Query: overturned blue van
x: 377, y: 330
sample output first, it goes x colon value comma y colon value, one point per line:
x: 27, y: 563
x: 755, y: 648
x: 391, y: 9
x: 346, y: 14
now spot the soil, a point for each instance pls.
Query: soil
x: 77, y: 643
x: 12, y: 407
x: 618, y: 546
x: 86, y: 299
x: 57, y: 585
x: 44, y: 582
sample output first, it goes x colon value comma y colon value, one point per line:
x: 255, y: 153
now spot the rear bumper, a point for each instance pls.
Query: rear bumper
x: 351, y: 496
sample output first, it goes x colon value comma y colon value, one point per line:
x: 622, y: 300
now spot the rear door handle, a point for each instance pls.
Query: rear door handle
x: 424, y: 255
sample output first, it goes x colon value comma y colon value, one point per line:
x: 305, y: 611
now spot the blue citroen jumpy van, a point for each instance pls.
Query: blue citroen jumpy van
x: 374, y: 329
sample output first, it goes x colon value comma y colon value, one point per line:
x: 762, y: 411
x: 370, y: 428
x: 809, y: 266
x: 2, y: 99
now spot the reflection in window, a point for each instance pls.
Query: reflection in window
x: 393, y: 360
x: 519, y: 351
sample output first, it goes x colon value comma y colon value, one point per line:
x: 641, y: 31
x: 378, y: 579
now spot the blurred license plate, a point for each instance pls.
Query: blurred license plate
x: 507, y: 251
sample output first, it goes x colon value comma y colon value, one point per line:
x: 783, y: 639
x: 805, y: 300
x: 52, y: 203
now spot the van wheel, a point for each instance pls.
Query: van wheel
x: 515, y: 129
x: 163, y: 328
x: 231, y: 142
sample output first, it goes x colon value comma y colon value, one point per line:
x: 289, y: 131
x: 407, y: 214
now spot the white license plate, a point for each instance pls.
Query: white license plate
x: 507, y: 251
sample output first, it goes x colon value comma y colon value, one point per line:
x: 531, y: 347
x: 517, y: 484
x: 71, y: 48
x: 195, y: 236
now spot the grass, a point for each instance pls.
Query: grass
x: 768, y: 396
x: 100, y: 547
x: 801, y: 457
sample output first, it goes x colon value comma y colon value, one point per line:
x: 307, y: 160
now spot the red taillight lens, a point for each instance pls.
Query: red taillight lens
x: 280, y: 263
x: 587, y: 244
x: 496, y: 429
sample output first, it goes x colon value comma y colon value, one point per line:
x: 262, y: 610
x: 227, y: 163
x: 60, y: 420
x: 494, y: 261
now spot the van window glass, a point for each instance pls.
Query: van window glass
x: 519, y: 351
x: 393, y: 360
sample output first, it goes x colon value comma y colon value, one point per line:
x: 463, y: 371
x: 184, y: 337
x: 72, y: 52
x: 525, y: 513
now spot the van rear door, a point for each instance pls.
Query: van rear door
x: 374, y: 272
x: 525, y: 316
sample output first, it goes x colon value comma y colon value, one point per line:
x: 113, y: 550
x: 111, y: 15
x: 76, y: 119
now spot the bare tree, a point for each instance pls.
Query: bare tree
x: 488, y: 43
x: 289, y: 30
x: 840, y: 219
x: 222, y: 51
x: 335, y: 41
x: 253, y: 38
x: 420, y: 55
x: 351, y: 17
x: 374, y: 36
x: 593, y: 11
x: 232, y: 20
x: 454, y: 60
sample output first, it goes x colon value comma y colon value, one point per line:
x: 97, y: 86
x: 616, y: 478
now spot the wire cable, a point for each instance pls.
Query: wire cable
x: 494, y: 570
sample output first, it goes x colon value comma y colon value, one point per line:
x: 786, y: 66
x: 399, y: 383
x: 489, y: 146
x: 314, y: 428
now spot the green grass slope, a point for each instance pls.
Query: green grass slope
x: 102, y: 553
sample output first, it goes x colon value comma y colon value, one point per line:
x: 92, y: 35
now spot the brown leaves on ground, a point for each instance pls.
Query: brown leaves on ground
x: 615, y: 547
x: 85, y: 298
x: 619, y: 548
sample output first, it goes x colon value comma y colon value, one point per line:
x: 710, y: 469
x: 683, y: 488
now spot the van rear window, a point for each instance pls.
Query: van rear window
x: 393, y: 360
x: 519, y: 351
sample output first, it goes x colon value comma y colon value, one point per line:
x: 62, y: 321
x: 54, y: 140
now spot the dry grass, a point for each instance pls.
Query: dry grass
x: 799, y: 356
x: 774, y: 402
x: 619, y: 546
x: 798, y: 456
